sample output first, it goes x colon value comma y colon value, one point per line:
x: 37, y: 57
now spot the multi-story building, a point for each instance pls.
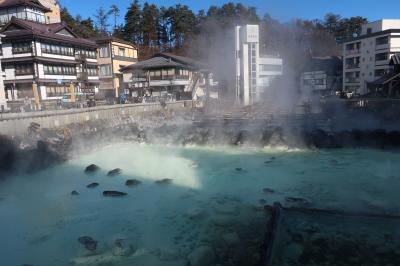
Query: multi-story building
x: 43, y: 62
x: 254, y: 72
x: 31, y: 10
x: 322, y: 76
x: 168, y: 76
x: 113, y: 54
x: 54, y: 15
x: 366, y: 57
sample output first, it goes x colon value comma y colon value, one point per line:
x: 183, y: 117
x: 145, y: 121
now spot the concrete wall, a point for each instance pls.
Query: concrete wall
x: 17, y: 124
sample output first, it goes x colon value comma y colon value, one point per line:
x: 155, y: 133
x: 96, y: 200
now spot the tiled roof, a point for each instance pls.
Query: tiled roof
x: 153, y: 63
x: 48, y: 31
x: 34, y: 3
x: 108, y: 39
x: 165, y: 60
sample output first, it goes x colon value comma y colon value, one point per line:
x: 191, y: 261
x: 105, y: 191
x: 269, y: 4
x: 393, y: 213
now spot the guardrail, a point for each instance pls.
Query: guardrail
x: 17, y: 123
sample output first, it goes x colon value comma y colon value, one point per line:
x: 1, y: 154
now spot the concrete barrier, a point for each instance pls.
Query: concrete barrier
x: 18, y: 123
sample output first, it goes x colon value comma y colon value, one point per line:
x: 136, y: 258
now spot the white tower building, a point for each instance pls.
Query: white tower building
x: 254, y: 72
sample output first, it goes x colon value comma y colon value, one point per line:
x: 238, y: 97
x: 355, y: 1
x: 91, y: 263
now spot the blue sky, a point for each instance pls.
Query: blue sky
x: 283, y: 10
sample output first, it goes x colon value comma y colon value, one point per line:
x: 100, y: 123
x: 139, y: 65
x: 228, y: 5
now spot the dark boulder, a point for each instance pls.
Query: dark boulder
x: 114, y: 172
x: 165, y: 181
x: 92, y: 169
x: 74, y: 193
x: 132, y: 182
x: 268, y: 190
x: 114, y: 194
x: 92, y: 185
x: 8, y: 154
x: 89, y: 243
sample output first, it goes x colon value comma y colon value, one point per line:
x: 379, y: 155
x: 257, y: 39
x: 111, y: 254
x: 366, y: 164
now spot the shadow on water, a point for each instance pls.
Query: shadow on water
x: 212, y: 210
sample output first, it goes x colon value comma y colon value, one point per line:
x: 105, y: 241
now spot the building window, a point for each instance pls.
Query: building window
x: 67, y: 70
x: 105, y: 70
x: 104, y: 52
x: 381, y: 72
x: 24, y: 69
x: 381, y: 57
x: 121, y: 52
x: 382, y: 40
x: 269, y: 67
x: 89, y: 53
x: 56, y: 90
x: 57, y: 49
x: 369, y: 30
x: 22, y: 47
x: 92, y: 71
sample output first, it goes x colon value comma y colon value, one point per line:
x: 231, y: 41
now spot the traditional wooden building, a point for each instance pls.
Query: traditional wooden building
x: 167, y: 76
x: 45, y: 61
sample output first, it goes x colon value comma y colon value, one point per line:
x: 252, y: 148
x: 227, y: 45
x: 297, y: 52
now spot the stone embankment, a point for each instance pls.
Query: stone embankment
x: 41, y: 147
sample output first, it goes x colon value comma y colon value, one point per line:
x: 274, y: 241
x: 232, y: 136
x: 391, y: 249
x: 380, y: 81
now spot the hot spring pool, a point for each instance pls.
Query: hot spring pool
x: 213, y: 205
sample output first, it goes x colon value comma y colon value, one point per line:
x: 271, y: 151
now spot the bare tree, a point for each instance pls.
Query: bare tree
x: 114, y: 10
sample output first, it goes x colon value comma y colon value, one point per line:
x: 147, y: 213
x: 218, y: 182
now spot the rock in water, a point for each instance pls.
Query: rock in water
x: 201, y: 256
x: 239, y: 169
x: 165, y: 181
x: 89, y: 243
x: 132, y: 182
x: 92, y: 169
x: 296, y: 200
x: 122, y: 248
x: 114, y: 194
x: 268, y: 190
x: 92, y: 185
x: 74, y: 193
x: 116, y: 171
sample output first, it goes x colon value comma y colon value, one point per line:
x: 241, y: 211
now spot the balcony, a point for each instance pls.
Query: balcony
x: 382, y: 62
x: 80, y: 57
x: 352, y: 66
x: 352, y: 80
x: 353, y: 52
x: 382, y: 46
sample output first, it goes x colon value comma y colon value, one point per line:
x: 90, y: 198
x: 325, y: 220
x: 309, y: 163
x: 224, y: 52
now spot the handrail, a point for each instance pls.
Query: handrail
x: 11, y: 116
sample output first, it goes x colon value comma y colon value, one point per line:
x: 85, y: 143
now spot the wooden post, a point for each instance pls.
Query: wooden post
x: 72, y: 92
x: 36, y: 95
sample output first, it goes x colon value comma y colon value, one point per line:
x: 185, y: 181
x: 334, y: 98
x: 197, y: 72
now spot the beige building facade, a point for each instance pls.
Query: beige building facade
x: 113, y: 54
x: 54, y: 16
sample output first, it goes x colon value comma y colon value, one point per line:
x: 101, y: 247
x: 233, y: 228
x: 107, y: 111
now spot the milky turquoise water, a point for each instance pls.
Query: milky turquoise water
x: 41, y: 221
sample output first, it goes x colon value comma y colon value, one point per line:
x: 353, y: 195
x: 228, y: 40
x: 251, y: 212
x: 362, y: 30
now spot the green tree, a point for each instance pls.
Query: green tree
x: 182, y: 23
x: 150, y: 16
x: 133, y: 26
x: 164, y: 41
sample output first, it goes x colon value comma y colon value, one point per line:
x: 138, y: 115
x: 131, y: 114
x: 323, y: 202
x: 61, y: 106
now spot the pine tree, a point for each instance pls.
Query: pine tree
x: 150, y: 15
x: 132, y: 23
